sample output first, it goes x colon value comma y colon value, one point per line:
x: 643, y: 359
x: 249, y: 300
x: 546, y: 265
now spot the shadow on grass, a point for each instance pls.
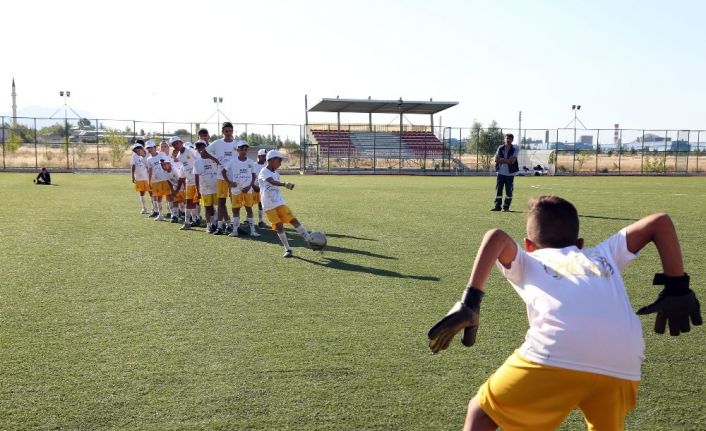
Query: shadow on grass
x: 608, y: 218
x: 345, y: 266
x: 296, y: 240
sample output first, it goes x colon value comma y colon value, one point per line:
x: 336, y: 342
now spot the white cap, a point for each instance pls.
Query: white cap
x: 242, y: 144
x: 164, y: 159
x: 136, y: 146
x: 274, y: 153
x: 188, y: 144
x: 262, y: 152
x: 150, y: 144
x: 200, y: 141
x: 174, y: 139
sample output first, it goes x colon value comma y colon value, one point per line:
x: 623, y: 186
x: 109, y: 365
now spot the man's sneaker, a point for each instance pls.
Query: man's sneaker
x: 159, y: 217
x: 287, y: 253
x: 154, y: 214
x: 495, y: 209
x: 262, y: 224
x: 195, y: 223
x: 211, y: 228
x: 254, y: 234
x: 186, y: 226
x: 233, y: 233
x: 144, y: 211
x: 219, y: 231
x: 229, y: 228
x: 169, y: 215
x: 175, y: 219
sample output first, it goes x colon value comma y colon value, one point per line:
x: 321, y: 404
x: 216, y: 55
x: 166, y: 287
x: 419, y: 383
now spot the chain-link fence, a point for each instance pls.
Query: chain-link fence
x: 103, y: 144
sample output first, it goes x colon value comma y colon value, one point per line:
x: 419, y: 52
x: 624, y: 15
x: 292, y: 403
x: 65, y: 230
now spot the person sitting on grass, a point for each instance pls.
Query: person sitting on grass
x: 273, y: 204
x: 584, y: 346
x: 43, y: 178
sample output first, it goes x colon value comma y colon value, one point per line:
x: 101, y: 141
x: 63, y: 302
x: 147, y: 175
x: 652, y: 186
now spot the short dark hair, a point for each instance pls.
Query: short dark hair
x: 226, y: 124
x: 203, y: 130
x: 552, y: 222
x: 510, y: 135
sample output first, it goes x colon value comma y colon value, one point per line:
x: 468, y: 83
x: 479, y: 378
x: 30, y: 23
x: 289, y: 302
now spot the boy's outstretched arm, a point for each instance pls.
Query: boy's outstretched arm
x: 465, y: 314
x: 677, y: 303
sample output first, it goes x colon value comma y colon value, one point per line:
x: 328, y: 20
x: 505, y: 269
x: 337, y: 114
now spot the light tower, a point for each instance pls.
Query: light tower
x: 14, y: 104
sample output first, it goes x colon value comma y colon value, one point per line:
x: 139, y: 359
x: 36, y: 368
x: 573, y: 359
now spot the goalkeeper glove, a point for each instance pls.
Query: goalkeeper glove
x: 675, y: 304
x: 464, y: 315
x: 289, y: 185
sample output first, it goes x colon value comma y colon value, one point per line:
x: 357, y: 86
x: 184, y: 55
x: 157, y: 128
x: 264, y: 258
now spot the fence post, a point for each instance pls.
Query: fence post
x: 598, y: 139
x: 36, y: 162
x: 3, y: 142
x: 642, y: 151
x: 98, y: 151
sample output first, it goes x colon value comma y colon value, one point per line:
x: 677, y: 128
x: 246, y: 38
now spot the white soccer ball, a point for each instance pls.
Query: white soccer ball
x: 317, y: 240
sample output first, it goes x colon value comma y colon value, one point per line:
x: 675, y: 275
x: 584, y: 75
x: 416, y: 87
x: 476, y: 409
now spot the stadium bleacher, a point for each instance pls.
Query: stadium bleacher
x: 414, y: 144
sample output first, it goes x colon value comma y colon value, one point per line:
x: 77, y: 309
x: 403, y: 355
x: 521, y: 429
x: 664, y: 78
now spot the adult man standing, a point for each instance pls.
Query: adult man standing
x: 506, y: 167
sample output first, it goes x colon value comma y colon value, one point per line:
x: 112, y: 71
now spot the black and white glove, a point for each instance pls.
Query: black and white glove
x: 675, y: 305
x: 288, y: 185
x: 465, y: 315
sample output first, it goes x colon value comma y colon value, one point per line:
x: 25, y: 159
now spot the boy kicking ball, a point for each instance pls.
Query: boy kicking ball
x: 584, y: 346
x: 272, y: 202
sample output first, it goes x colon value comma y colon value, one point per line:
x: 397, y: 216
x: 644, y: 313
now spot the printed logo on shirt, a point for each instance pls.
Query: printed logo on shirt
x: 575, y: 263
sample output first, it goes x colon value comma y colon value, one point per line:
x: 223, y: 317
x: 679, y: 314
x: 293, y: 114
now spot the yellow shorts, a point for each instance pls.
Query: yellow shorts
x: 179, y: 197
x: 142, y: 186
x: 160, y: 189
x: 281, y: 214
x: 209, y: 200
x: 255, y: 197
x: 222, y: 189
x: 241, y: 199
x: 523, y: 395
x: 191, y: 193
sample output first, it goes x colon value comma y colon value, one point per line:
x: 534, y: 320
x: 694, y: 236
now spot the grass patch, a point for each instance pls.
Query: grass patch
x: 109, y: 320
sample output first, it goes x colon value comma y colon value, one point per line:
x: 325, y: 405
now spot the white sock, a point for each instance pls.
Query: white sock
x: 259, y: 215
x: 213, y: 220
x: 187, y: 217
x: 220, y: 224
x: 194, y: 214
x: 159, y: 207
x: 142, y: 201
x: 252, y: 224
x: 302, y: 231
x: 283, y: 237
x: 170, y: 205
x: 236, y: 222
x: 154, y: 205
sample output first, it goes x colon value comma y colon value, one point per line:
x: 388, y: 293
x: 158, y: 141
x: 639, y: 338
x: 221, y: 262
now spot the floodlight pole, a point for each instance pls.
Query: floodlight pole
x: 66, y: 94
x: 218, y: 101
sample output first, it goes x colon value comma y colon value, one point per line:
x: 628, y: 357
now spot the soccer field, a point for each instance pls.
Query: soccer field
x: 110, y: 320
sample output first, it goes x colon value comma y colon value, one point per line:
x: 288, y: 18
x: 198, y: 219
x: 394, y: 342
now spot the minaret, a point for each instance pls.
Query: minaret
x: 14, y: 104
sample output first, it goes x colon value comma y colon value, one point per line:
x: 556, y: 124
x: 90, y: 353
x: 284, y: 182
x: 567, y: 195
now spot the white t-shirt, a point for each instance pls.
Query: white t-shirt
x: 188, y: 158
x: 256, y: 169
x: 579, y: 313
x: 270, y: 196
x: 222, y: 150
x: 173, y: 176
x: 155, y: 163
x: 140, y: 167
x: 241, y: 172
x: 208, y: 172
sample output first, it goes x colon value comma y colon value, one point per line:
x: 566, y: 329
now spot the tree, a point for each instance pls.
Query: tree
x: 13, y: 143
x: 84, y: 123
x: 485, y: 142
x: 117, y: 144
x: 181, y: 132
x: 55, y: 129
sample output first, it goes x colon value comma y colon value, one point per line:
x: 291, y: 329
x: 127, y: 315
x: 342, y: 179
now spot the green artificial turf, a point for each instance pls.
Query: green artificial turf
x: 110, y: 320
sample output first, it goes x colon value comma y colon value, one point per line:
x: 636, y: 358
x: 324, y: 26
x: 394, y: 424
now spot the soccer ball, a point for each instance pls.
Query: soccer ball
x: 317, y: 240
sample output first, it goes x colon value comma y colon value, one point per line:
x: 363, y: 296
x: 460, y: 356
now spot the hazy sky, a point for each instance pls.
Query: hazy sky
x: 637, y: 63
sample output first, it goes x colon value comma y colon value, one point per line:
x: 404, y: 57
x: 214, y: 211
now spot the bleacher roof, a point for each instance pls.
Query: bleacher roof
x: 368, y: 106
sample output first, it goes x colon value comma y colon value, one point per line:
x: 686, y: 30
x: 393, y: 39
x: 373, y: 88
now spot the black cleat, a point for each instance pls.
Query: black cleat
x: 154, y: 214
x: 495, y: 209
x: 506, y: 210
x: 219, y: 231
x: 287, y: 253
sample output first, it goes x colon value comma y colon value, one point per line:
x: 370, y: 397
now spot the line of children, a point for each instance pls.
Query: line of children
x: 188, y: 176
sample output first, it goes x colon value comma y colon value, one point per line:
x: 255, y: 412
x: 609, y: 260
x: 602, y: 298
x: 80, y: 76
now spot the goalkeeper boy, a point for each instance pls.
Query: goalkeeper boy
x: 584, y: 346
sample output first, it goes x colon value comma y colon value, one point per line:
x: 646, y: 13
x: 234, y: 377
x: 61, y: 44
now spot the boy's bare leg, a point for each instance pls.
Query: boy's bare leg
x: 477, y: 419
